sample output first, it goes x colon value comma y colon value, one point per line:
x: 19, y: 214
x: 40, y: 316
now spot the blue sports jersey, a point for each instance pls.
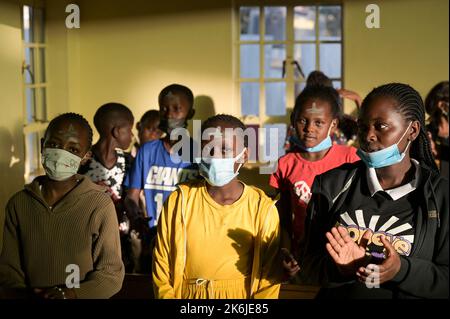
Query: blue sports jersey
x: 156, y: 173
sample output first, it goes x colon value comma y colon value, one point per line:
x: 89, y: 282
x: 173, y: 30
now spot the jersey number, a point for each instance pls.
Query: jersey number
x: 159, y: 205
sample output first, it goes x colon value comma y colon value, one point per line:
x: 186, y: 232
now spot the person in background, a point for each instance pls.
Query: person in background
x: 436, y: 105
x: 109, y: 165
x: 161, y: 164
x: 315, y: 117
x: 345, y: 133
x: 148, y: 130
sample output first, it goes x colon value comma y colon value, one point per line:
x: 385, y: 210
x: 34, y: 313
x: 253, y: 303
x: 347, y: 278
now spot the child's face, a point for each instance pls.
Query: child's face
x: 69, y: 136
x: 225, y: 144
x: 125, y: 135
x: 149, y: 132
x: 175, y: 107
x: 380, y: 125
x: 314, y: 122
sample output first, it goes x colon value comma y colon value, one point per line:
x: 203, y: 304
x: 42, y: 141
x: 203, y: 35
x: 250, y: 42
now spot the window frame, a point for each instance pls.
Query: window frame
x: 39, y: 113
x: 290, y: 79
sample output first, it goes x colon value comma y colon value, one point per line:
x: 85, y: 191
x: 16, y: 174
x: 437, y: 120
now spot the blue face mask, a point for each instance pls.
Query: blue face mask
x: 219, y: 171
x: 386, y: 157
x: 324, y: 145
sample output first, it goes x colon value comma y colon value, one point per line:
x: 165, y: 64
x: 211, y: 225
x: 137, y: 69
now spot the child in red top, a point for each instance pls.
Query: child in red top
x: 315, y: 117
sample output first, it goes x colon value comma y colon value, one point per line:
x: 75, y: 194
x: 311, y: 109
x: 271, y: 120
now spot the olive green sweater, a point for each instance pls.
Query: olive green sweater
x: 40, y: 241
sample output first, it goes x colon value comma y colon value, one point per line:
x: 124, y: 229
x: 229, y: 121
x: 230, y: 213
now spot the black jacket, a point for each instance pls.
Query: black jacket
x: 423, y: 274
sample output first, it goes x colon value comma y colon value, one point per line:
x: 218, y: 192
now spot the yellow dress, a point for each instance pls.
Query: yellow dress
x: 207, y: 250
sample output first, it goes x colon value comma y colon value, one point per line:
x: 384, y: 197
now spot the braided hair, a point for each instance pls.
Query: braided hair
x: 72, y: 117
x: 410, y: 105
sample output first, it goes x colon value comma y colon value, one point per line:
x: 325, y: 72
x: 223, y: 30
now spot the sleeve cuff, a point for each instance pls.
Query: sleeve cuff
x: 273, y: 181
x: 403, y: 272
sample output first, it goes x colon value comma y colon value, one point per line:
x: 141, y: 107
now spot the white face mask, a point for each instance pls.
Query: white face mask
x: 60, y: 164
x: 219, y: 171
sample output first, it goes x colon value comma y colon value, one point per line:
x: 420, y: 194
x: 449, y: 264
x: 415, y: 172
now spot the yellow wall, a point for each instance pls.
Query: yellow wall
x: 126, y: 51
x: 11, y: 119
x: 411, y: 45
x: 59, y: 60
x: 128, y: 55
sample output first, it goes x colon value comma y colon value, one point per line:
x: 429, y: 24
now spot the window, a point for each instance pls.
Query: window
x: 278, y: 46
x: 35, y: 87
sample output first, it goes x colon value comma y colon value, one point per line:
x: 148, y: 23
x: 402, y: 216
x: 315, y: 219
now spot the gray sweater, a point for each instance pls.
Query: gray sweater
x: 40, y: 242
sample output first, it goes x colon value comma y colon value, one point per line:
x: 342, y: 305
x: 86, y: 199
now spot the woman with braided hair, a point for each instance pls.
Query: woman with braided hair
x: 378, y: 228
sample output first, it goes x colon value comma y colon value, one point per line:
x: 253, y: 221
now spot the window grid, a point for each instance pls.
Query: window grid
x: 35, y: 84
x: 290, y: 79
x: 290, y: 42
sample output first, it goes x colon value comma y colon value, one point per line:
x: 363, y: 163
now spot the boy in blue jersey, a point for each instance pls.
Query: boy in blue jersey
x: 158, y: 167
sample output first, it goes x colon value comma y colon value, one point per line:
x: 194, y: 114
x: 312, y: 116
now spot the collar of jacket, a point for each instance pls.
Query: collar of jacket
x: 428, y: 216
x: 84, y: 186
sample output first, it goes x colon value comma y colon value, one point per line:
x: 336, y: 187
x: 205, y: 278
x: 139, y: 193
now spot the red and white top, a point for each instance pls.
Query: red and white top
x: 295, y: 175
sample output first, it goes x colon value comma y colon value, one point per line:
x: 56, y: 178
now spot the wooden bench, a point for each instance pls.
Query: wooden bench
x: 292, y: 291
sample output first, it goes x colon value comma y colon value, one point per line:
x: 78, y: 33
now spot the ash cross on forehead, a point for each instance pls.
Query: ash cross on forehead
x: 70, y: 132
x: 173, y: 97
x: 217, y: 133
x: 313, y: 109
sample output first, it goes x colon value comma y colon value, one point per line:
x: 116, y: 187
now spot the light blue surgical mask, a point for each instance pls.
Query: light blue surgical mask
x: 219, y: 171
x: 386, y: 157
x: 324, y: 145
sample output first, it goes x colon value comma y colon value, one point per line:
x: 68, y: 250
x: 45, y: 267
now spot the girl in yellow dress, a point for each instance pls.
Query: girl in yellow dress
x: 217, y: 237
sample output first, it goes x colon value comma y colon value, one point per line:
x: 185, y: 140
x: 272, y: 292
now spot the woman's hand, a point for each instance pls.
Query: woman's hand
x: 387, y: 270
x: 347, y: 94
x: 346, y: 253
